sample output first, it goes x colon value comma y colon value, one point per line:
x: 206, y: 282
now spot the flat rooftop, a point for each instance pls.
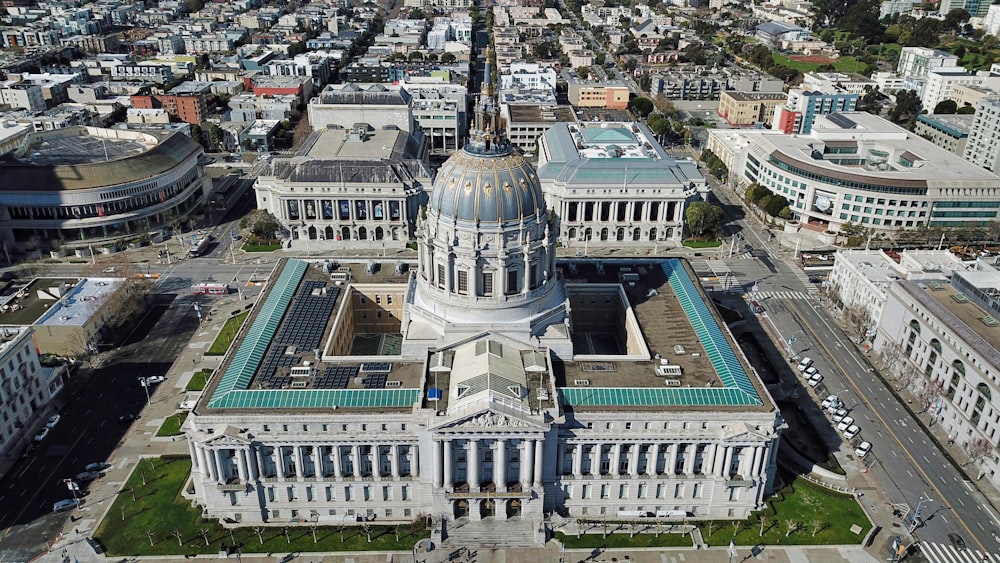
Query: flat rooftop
x: 339, y: 143
x: 24, y: 304
x: 293, y: 321
x: 80, y: 302
x: 535, y: 113
x: 81, y: 149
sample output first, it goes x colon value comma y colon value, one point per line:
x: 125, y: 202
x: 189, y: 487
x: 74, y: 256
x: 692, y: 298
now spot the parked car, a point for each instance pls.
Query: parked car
x: 126, y: 418
x: 815, y: 379
x: 66, y: 504
x: 863, y: 449
x: 53, y: 421
x: 43, y: 434
x: 97, y: 466
x: 852, y: 431
x: 845, y: 423
x: 87, y: 476
x: 154, y: 379
x: 840, y: 414
x: 810, y: 371
x: 831, y: 400
x: 806, y: 362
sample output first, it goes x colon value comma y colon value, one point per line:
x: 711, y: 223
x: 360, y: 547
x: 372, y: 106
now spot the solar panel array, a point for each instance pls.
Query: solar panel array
x: 275, y: 360
x: 376, y: 367
x: 307, y: 317
x: 376, y: 380
x: 335, y: 377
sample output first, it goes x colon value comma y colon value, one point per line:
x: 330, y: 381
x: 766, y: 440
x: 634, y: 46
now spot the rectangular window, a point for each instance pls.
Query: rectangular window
x: 440, y: 276
x: 604, y: 491
x: 463, y: 282
x: 487, y: 284
x: 511, y: 282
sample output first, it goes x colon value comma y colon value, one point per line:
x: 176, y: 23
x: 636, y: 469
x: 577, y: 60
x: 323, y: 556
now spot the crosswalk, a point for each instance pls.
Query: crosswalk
x: 760, y: 295
x: 946, y: 553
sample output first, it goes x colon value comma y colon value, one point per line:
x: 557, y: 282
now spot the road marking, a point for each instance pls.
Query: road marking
x: 850, y: 380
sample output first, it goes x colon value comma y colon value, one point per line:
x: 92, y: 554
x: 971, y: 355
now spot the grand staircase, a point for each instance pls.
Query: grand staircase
x: 491, y: 534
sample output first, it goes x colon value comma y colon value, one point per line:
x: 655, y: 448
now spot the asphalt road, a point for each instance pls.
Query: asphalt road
x: 907, y: 464
x: 89, y: 430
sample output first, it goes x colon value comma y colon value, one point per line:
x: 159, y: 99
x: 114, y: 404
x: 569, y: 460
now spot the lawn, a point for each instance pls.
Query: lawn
x: 809, y: 506
x: 227, y: 334
x: 198, y: 380
x: 813, y: 509
x: 146, y: 526
x: 843, y: 64
x: 715, y: 243
x: 172, y: 425
x: 621, y: 539
x: 261, y: 247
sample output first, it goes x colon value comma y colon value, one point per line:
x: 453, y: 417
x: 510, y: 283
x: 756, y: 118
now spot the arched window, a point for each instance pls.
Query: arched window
x: 936, y: 345
x: 984, y: 390
x: 915, y: 326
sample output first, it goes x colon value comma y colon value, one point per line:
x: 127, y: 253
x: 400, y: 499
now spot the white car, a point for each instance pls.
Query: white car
x: 834, y: 407
x: 852, y: 431
x: 806, y: 362
x: 830, y: 400
x: 815, y: 379
x: 53, y: 421
x: 840, y: 414
x: 154, y: 379
x: 810, y: 371
x: 42, y: 435
x: 845, y: 422
x: 863, y: 449
x: 110, y: 270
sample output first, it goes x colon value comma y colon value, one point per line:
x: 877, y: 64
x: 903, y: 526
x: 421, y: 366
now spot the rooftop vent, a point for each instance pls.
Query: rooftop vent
x: 990, y: 321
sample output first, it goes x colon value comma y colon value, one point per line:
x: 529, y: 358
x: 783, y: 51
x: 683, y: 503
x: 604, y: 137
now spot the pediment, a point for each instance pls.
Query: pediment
x: 740, y: 432
x: 229, y: 438
x: 487, y: 420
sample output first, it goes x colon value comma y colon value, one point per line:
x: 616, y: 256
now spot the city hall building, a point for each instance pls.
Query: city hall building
x: 481, y: 384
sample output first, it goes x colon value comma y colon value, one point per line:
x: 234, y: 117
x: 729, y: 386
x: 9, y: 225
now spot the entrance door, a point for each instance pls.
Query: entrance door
x: 487, y: 509
x: 513, y: 508
x: 461, y: 508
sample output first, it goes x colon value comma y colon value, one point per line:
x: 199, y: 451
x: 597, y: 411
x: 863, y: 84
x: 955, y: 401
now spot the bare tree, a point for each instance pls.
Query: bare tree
x: 605, y: 530
x: 123, y: 511
x: 817, y: 527
x: 633, y: 529
x: 149, y: 534
x: 204, y: 535
x: 858, y: 319
x: 763, y: 519
x: 367, y: 527
x: 977, y: 449
x: 395, y: 530
x: 288, y: 537
x: 178, y: 534
x: 710, y: 526
x: 927, y: 393
x: 738, y: 526
x: 340, y: 529
x: 313, y: 530
x: 260, y: 534
x: 790, y: 526
x: 232, y: 536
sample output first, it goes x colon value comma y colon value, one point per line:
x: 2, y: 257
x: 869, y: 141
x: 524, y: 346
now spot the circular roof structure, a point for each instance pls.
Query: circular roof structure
x: 494, y: 186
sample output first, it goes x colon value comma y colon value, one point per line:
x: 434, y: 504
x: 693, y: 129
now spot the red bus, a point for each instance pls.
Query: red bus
x: 210, y: 288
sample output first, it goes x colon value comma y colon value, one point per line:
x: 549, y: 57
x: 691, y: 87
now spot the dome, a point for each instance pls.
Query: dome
x: 495, y: 187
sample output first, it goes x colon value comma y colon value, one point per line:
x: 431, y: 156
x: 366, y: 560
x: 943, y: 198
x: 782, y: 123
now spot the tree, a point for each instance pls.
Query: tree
x: 907, y: 106
x: 763, y: 519
x: 870, y: 100
x: 315, y: 540
x: 214, y: 137
x: 178, y: 534
x: 703, y: 217
x: 977, y: 449
x: 204, y: 535
x: 149, y: 534
x: 583, y: 72
x: 817, y: 527
x: 288, y: 534
x: 946, y: 107
x: 640, y: 106
x: 790, y: 527
x: 447, y: 58
x: 260, y: 534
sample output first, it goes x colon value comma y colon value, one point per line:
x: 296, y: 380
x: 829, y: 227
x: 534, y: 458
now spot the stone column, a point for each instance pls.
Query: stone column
x: 241, y: 464
x: 577, y: 461
x: 670, y: 463
x: 473, y: 465
x: 692, y: 451
x: 595, y: 463
x: 394, y: 459
x: 527, y: 462
x: 202, y: 462
x: 755, y: 466
x: 299, y: 462
x: 220, y: 466
x: 448, y: 465
x: 256, y: 466
x: 616, y: 456
x: 338, y: 469
x: 633, y: 460
x: 414, y: 460
x: 356, y: 457
x: 377, y: 461
x: 279, y: 462
x: 728, y: 461
x: 437, y: 462
x: 500, y: 465
x: 538, y: 463
x: 194, y: 457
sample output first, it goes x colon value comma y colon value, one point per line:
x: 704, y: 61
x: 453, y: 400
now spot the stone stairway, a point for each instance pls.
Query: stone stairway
x: 490, y: 534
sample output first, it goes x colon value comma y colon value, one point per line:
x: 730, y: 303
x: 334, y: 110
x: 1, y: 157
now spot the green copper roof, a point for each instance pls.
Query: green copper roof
x: 737, y: 389
x: 232, y: 392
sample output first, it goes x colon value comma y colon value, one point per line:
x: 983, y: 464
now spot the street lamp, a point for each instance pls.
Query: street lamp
x: 145, y: 387
x: 791, y: 342
x: 915, y: 521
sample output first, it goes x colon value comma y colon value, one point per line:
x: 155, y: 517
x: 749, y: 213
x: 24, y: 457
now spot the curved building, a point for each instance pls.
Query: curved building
x: 93, y: 184
x: 859, y: 169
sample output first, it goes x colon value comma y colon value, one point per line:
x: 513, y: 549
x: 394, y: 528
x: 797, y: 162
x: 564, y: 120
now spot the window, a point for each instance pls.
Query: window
x: 604, y: 491
x: 440, y: 276
x: 511, y: 281
x: 463, y: 282
x: 487, y: 284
